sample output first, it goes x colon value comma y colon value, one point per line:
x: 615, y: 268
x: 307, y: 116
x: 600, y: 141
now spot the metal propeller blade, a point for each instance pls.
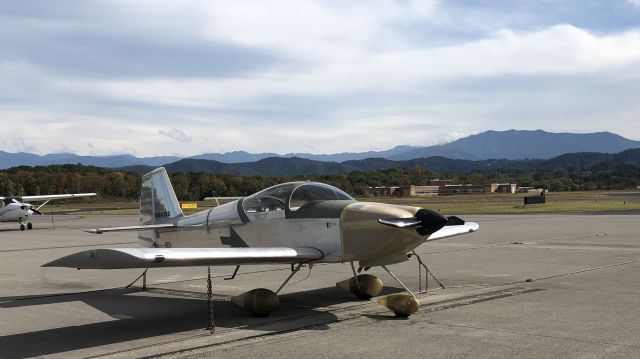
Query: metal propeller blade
x: 400, y: 222
x: 426, y: 221
x: 35, y: 210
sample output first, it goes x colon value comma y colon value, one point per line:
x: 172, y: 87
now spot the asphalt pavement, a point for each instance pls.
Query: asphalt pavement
x: 525, y: 286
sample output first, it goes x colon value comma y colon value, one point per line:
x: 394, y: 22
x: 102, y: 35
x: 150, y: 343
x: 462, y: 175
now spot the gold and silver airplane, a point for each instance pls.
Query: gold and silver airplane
x: 14, y: 209
x: 296, y: 223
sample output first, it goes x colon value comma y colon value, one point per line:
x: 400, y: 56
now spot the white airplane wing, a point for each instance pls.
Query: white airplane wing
x: 49, y: 197
x: 454, y: 230
x: 116, y: 258
x: 129, y: 228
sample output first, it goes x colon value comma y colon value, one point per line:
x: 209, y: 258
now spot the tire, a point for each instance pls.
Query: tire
x: 29, y: 226
x: 22, y: 227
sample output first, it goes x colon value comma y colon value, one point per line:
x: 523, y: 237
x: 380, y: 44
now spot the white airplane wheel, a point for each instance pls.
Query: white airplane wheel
x: 29, y: 226
x: 21, y: 227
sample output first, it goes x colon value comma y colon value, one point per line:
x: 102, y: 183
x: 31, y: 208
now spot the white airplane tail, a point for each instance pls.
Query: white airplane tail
x: 158, y: 202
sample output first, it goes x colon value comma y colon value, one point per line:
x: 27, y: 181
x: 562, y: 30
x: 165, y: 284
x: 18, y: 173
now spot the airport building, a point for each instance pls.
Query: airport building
x: 439, y: 187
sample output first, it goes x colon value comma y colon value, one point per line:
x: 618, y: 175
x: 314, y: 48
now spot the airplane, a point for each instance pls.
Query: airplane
x: 294, y: 223
x: 13, y: 209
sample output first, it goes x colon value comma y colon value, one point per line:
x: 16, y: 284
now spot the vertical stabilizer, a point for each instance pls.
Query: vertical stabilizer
x: 158, y: 202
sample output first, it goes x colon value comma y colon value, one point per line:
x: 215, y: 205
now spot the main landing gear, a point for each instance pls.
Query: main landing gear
x: 260, y: 302
x: 28, y: 226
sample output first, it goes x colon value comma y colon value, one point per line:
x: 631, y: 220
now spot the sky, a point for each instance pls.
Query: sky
x: 188, y: 77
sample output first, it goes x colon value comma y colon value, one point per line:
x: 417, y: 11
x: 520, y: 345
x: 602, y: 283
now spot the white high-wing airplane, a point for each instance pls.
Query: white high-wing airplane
x: 15, y: 209
x: 292, y: 223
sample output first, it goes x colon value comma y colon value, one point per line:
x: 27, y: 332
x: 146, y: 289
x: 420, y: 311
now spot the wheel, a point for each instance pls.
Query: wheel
x: 21, y: 227
x: 29, y: 226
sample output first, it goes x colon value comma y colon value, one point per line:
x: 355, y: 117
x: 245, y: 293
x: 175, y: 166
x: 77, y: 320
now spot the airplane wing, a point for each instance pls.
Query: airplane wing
x: 117, y: 258
x: 454, y: 230
x: 49, y: 197
x: 129, y: 228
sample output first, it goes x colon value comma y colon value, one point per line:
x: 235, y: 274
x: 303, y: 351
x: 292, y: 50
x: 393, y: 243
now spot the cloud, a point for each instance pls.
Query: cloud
x: 275, y: 76
x: 561, y: 50
x: 634, y: 3
x: 176, y: 134
x: 21, y: 145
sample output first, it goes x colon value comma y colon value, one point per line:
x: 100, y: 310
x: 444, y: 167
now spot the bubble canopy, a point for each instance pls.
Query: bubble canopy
x: 292, y: 195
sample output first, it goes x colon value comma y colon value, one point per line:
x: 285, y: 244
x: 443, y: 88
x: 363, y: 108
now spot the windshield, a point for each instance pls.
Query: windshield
x: 309, y: 193
x: 292, y: 195
x: 271, y: 199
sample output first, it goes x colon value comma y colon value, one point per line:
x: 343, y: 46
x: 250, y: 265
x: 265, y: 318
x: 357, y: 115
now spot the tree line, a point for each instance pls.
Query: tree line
x: 115, y: 184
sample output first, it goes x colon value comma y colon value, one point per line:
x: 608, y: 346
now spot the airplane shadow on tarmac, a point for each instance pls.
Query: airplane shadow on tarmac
x: 142, y: 314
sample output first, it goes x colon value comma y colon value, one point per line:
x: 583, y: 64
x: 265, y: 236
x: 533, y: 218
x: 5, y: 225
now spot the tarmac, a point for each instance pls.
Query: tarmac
x: 523, y: 286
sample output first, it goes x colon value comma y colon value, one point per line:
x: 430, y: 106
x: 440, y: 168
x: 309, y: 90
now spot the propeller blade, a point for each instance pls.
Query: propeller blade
x: 426, y: 221
x: 35, y: 211
x: 400, y: 222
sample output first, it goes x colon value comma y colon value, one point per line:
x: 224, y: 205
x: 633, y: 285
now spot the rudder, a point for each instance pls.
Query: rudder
x: 158, y: 202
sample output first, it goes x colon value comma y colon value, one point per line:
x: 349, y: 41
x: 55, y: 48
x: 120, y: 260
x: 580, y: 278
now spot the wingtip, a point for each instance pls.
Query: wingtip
x: 51, y: 264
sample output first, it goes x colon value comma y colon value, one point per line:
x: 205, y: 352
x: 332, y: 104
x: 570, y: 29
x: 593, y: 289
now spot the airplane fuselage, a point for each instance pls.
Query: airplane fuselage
x: 343, y: 230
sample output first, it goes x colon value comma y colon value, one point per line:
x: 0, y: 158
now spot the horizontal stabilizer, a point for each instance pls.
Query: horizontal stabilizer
x: 129, y: 228
x: 454, y: 230
x: 116, y: 258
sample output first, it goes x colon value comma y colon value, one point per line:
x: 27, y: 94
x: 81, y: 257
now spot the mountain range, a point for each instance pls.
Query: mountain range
x: 507, y: 145
x: 278, y: 166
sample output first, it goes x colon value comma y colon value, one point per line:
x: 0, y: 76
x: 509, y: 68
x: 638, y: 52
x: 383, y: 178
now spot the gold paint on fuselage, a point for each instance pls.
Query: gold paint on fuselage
x: 364, y: 239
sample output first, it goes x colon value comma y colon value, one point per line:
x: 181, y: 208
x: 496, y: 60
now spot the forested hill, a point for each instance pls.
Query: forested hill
x: 277, y: 166
x: 581, y: 171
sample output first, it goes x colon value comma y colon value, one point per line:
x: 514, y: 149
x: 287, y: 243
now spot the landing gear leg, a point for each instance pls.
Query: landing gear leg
x: 294, y: 270
x: 144, y: 280
x: 402, y: 305
x: 399, y: 282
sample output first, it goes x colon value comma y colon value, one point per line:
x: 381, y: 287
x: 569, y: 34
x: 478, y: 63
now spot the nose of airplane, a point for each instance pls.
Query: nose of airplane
x: 364, y: 238
x: 29, y: 207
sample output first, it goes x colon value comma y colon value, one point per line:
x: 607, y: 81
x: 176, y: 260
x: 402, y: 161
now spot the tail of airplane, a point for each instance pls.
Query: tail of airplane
x: 158, y: 202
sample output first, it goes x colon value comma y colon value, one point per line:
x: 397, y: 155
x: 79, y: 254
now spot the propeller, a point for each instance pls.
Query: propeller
x: 426, y: 221
x: 32, y: 208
